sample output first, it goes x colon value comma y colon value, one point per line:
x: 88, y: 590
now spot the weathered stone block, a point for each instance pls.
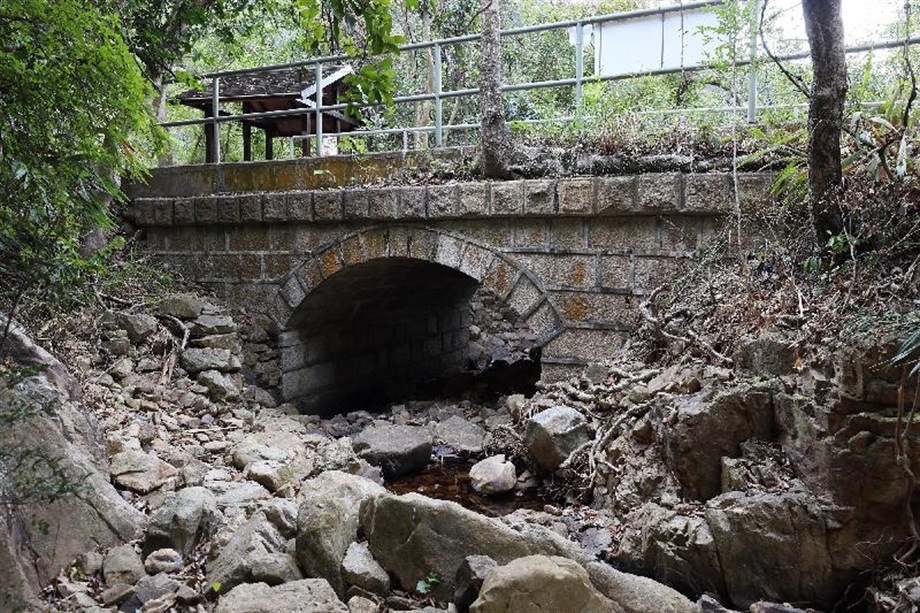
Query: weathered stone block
x: 583, y: 344
x: 539, y: 197
x: 355, y: 204
x: 624, y: 234
x: 576, y: 196
x: 658, y: 192
x: 450, y: 250
x: 251, y: 208
x: 274, y: 207
x: 248, y: 238
x: 162, y: 212
x: 292, y: 292
x: 473, y: 199
x: 442, y: 201
x: 678, y: 234
x: 228, y: 210
x: 412, y: 202
x: 184, y: 211
x: 754, y: 192
x: 652, y: 272
x: 424, y: 245
x: 400, y: 240
x: 250, y: 267
x: 557, y: 270
x: 568, y: 234
x: 616, y: 272
x: 298, y: 206
x: 206, y: 210
x: 276, y: 266
x: 543, y: 321
x: 327, y: 205
x: 617, y: 195
x: 524, y: 297
x: 309, y: 276
x: 383, y: 203
x: 375, y: 243
x: 501, y: 277
x: 508, y: 198
x: 530, y: 233
x: 352, y: 251
x: 708, y: 193
x: 476, y: 261
x: 330, y: 261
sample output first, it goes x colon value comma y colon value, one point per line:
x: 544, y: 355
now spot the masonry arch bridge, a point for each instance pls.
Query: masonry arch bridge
x: 367, y: 317
x: 354, y: 272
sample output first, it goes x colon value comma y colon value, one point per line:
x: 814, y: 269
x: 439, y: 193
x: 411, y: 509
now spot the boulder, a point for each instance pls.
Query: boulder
x: 777, y: 544
x: 182, y: 306
x: 540, y: 583
x: 138, y: 325
x: 208, y: 325
x: 195, y: 360
x: 462, y: 435
x: 255, y: 553
x: 182, y: 520
x: 553, y: 434
x: 359, y: 568
x: 705, y: 427
x: 635, y: 594
x: 397, y: 450
x: 163, y: 561
x: 122, y: 565
x: 470, y: 576
x: 220, y: 386
x: 327, y: 522
x: 494, y: 475
x: 413, y: 535
x: 140, y: 472
x: 153, y: 587
x: 303, y: 596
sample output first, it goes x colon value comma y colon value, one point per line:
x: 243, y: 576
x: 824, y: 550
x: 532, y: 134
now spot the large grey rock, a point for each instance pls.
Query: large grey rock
x: 327, y: 522
x: 163, y: 561
x: 777, y: 545
x: 196, y: 360
x: 156, y: 586
x: 97, y: 517
x: 462, y: 435
x: 207, y: 325
x: 540, y: 583
x: 255, y: 553
x: 397, y: 450
x: 220, y: 386
x: 140, y: 472
x: 705, y: 428
x: 470, y: 577
x: 182, y: 306
x: 138, y: 325
x: 182, y: 520
x: 494, y: 475
x: 359, y: 568
x: 303, y: 596
x: 122, y: 565
x: 635, y: 594
x: 553, y: 434
x: 412, y: 535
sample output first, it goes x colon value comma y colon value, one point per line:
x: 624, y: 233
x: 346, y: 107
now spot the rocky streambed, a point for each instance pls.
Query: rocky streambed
x: 635, y: 487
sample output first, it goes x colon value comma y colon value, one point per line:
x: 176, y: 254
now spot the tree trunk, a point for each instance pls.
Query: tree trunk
x: 824, y: 26
x: 497, y: 148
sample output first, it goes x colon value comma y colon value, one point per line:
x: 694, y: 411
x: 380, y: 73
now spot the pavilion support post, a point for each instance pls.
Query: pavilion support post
x: 305, y: 142
x: 210, y: 148
x: 247, y: 136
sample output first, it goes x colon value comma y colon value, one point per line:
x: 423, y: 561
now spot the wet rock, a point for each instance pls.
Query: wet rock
x: 122, y: 565
x: 182, y: 520
x: 462, y: 435
x: 470, y: 576
x: 327, y: 522
x: 493, y: 475
x: 140, y: 472
x: 540, y: 583
x: 397, y: 450
x: 196, y: 360
x: 303, y: 596
x: 553, y: 434
x: 163, y: 561
x: 359, y: 568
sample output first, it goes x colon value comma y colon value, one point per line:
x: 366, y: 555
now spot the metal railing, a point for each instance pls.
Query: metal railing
x: 438, y: 95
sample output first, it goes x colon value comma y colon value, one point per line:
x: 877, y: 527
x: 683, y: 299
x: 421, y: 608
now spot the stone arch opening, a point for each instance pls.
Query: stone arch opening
x: 370, y: 318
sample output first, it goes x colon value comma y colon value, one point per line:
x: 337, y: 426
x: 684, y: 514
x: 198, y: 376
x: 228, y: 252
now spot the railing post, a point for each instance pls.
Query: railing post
x: 752, y: 77
x: 215, y: 114
x: 579, y: 66
x: 319, y: 109
x: 438, y: 107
